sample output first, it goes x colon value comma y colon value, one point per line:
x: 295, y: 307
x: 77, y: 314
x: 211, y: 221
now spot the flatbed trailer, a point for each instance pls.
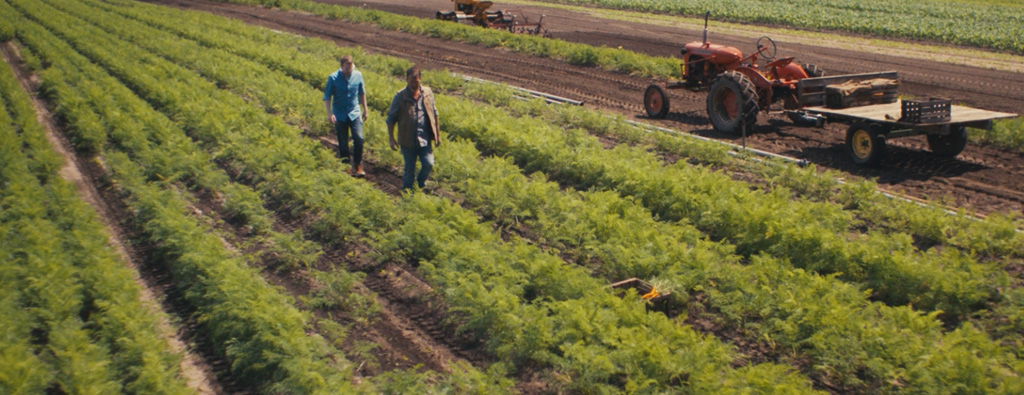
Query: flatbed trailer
x: 871, y: 125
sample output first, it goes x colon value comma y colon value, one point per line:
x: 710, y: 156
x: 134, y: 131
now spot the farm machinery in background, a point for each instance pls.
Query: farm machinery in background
x: 479, y: 13
x: 738, y: 88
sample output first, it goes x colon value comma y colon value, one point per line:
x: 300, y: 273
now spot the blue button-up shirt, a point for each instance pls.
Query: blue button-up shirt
x: 346, y: 93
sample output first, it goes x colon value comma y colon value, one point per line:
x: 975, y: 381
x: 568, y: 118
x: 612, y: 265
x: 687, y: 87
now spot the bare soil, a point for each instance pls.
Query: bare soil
x: 197, y: 372
x: 982, y: 179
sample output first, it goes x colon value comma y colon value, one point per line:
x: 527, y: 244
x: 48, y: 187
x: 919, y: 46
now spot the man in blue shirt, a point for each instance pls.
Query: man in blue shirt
x: 348, y: 111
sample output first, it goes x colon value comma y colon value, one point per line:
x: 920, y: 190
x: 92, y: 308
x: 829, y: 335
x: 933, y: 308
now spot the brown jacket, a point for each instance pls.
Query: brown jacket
x: 402, y: 112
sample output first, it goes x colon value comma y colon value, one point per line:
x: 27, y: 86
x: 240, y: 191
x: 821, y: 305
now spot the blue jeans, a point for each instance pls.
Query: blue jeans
x: 426, y: 157
x: 342, y: 128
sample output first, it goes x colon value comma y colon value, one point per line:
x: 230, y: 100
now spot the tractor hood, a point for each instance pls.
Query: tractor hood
x: 714, y: 53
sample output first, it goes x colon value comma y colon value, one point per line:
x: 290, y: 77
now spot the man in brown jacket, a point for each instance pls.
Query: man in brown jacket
x: 415, y: 113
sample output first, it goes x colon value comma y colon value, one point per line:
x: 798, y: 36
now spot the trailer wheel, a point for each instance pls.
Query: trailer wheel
x: 865, y: 143
x: 950, y: 145
x: 732, y: 102
x: 656, y: 101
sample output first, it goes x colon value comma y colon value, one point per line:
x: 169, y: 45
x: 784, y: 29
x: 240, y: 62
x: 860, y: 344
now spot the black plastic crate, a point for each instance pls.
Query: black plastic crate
x: 926, y: 111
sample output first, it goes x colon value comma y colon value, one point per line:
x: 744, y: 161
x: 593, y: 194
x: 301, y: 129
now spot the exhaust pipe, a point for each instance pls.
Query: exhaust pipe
x: 706, y: 16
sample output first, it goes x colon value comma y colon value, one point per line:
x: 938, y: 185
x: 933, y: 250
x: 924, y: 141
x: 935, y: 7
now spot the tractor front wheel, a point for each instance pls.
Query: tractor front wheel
x: 732, y: 102
x: 950, y: 145
x: 866, y: 143
x: 656, y: 101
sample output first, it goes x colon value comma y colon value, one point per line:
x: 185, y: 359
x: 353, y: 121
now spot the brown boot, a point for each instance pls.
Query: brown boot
x: 358, y: 171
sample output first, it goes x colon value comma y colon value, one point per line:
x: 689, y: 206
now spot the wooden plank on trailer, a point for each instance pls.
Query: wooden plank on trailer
x: 891, y: 112
x: 962, y: 114
x: 874, y: 112
x: 822, y: 81
x: 811, y: 91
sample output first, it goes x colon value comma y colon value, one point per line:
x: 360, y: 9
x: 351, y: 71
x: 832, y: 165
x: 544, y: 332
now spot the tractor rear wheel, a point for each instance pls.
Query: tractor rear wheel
x: 732, y: 102
x: 950, y: 145
x: 866, y: 143
x: 656, y: 101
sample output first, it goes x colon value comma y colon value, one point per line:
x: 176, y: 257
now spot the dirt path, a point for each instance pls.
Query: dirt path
x: 982, y: 178
x: 195, y: 370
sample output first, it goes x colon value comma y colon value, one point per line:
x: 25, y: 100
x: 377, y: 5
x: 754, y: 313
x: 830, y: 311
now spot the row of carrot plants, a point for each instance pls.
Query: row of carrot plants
x: 67, y: 359
x: 73, y: 317
x: 248, y: 322
x: 1005, y: 133
x: 601, y: 226
x: 528, y: 306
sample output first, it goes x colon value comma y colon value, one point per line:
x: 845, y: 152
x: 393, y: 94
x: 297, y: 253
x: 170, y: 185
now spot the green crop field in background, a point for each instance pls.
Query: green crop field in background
x: 993, y: 24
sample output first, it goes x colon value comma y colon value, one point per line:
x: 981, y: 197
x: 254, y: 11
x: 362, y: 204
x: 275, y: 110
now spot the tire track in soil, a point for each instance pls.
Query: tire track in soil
x: 86, y: 175
x: 982, y: 179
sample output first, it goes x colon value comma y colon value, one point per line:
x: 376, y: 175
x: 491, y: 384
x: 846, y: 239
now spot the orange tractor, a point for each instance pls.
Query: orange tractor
x: 479, y: 13
x: 738, y: 88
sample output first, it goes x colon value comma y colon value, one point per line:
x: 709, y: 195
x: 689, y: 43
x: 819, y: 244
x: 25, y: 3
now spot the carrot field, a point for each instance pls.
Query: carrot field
x: 208, y: 137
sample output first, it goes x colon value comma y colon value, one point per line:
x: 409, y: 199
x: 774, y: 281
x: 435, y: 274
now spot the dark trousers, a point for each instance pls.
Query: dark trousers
x: 342, y: 128
x: 426, y: 158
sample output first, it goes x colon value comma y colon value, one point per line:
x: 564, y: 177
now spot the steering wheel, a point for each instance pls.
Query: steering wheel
x: 766, y: 48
